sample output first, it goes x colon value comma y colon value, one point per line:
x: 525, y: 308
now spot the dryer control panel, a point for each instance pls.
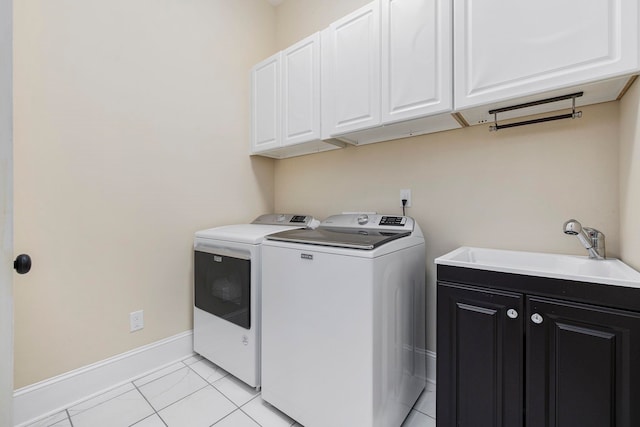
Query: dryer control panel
x: 285, y: 219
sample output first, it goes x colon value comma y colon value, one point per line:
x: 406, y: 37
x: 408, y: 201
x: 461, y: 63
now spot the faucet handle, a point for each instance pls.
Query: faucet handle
x: 597, y: 240
x: 593, y: 233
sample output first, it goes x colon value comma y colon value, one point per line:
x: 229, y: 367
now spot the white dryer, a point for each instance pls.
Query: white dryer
x: 343, y: 318
x: 227, y: 292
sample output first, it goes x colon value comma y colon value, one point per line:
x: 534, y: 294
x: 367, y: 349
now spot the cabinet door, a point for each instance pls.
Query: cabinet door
x: 265, y: 105
x: 416, y: 58
x: 351, y: 71
x: 480, y: 352
x: 301, y: 91
x: 505, y: 48
x: 583, y: 365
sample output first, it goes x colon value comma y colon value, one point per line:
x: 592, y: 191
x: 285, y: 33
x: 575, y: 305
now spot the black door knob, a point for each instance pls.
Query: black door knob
x: 22, y: 264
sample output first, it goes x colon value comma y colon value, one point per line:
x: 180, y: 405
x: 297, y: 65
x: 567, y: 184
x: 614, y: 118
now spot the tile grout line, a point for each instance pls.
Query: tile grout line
x: 160, y: 377
x: 414, y: 408
x: 216, y: 389
x: 184, y: 397
x: 152, y: 407
x: 135, y: 386
x: 156, y: 412
x: 423, y: 413
x: 259, y: 395
x: 206, y: 380
x: 170, y: 373
x: 246, y: 403
x: 69, y: 416
x: 118, y: 395
x: 100, y: 403
x: 207, y: 384
x: 238, y: 407
x: 233, y: 412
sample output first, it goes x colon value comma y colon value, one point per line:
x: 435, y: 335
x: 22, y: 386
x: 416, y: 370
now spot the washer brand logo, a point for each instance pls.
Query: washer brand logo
x: 306, y: 256
x: 217, y: 258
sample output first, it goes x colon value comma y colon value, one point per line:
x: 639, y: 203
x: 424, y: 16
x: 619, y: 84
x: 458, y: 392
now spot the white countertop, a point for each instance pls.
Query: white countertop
x: 610, y: 271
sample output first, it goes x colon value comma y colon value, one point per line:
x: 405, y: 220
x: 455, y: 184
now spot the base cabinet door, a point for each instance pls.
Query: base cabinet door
x: 583, y: 365
x: 480, y: 353
x: 518, y: 350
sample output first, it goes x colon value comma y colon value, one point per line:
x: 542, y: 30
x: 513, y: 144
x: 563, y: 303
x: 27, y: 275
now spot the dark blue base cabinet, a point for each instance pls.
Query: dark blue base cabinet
x: 518, y: 351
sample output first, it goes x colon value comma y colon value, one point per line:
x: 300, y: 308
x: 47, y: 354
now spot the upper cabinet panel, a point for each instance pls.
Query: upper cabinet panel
x: 387, y: 72
x: 416, y: 58
x: 351, y: 71
x: 265, y: 104
x: 509, y: 49
x: 301, y: 91
x: 286, y: 102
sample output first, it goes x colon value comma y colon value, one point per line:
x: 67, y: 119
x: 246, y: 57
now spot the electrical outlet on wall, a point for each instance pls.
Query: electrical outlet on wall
x: 136, y: 320
x: 405, y: 195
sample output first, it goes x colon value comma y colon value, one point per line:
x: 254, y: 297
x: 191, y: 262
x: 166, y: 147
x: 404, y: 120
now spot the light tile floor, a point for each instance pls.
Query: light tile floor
x: 194, y: 393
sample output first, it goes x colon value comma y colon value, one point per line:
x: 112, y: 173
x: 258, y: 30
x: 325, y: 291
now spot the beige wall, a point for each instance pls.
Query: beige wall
x: 131, y: 133
x: 630, y: 177
x: 297, y: 19
x: 510, y: 189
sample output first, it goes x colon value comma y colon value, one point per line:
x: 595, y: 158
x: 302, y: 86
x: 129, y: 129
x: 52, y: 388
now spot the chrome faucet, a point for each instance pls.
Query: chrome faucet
x: 591, y: 239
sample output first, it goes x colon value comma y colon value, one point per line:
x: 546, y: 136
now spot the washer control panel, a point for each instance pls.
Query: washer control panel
x: 370, y: 221
x: 363, y: 219
x: 397, y: 221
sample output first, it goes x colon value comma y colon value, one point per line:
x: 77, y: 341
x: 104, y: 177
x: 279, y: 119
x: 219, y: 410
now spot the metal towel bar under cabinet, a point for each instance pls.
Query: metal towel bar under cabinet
x: 574, y: 114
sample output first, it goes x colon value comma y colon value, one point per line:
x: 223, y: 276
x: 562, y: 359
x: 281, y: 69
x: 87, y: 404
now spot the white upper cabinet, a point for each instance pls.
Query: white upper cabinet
x: 351, y: 71
x: 301, y: 91
x: 399, y: 68
x: 506, y: 49
x: 416, y: 58
x: 265, y: 105
x: 387, y: 71
x: 285, y: 104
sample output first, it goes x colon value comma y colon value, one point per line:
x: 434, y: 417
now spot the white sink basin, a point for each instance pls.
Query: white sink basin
x: 570, y: 267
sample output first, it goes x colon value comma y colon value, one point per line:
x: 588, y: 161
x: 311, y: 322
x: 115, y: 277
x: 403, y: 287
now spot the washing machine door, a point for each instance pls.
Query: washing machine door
x: 223, y: 285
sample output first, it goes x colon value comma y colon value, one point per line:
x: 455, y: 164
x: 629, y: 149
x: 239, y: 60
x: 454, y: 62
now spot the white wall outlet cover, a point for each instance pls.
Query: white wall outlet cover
x: 136, y: 320
x: 405, y: 195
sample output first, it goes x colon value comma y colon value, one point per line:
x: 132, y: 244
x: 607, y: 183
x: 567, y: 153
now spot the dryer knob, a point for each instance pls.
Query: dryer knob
x: 363, y: 219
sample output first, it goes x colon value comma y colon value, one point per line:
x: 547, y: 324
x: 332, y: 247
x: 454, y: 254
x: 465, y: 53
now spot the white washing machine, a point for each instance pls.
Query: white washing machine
x: 227, y: 292
x: 343, y: 318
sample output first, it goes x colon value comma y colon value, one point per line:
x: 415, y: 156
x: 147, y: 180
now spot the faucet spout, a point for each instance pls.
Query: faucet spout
x: 591, y: 239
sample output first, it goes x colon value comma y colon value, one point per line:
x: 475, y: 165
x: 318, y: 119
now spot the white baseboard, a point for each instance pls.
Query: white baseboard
x: 60, y: 392
x: 431, y: 366
x: 427, y: 359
